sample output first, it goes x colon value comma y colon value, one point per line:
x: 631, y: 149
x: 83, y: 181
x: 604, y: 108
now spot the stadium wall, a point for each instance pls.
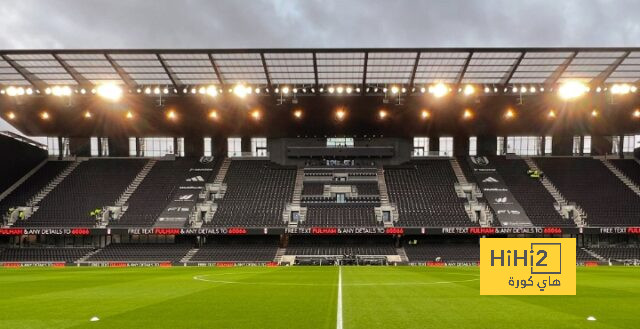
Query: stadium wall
x: 18, y: 159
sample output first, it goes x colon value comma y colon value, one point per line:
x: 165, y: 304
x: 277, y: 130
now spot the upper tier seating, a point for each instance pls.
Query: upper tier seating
x: 629, y: 168
x: 93, y: 184
x: 338, y: 246
x: 466, y: 169
x: 425, y: 195
x: 530, y: 193
x: 141, y: 252
x: 30, y: 187
x: 340, y: 214
x: 237, y: 249
x: 42, y: 254
x: 18, y: 158
x: 157, y: 189
x: 446, y: 252
x: 257, y: 192
x: 586, y: 181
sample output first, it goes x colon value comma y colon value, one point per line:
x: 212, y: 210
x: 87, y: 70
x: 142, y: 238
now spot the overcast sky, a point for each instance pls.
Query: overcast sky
x: 30, y: 24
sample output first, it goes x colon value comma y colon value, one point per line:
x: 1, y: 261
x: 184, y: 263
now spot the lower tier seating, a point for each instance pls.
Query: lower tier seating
x: 141, y: 252
x: 237, y: 249
x: 618, y: 253
x: 43, y: 254
x: 583, y: 256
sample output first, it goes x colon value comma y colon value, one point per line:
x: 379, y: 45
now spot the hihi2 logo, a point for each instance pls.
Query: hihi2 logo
x: 514, y: 266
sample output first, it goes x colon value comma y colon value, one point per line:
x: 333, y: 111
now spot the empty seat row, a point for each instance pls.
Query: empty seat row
x: 141, y: 252
x: 43, y: 254
x: 342, y: 215
x: 237, y: 249
x: 257, y: 192
x: 590, y: 184
x: 425, y: 195
x: 93, y: 184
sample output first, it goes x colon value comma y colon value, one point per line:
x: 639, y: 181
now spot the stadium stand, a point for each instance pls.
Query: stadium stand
x: 93, y: 184
x: 629, y: 167
x: 584, y: 256
x: 43, y: 254
x: 534, y: 198
x: 586, y: 181
x: 237, y: 249
x: 157, y: 189
x: 336, y: 246
x: 627, y: 253
x: 424, y: 192
x: 340, y: 214
x: 36, y: 182
x: 445, y: 252
x: 141, y: 252
x: 257, y: 192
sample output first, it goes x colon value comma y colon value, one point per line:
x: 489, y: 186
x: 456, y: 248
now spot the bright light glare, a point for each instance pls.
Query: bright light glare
x: 110, y: 92
x: 241, y: 90
x: 572, y: 90
x: 622, y: 89
x: 211, y: 91
x: 469, y: 90
x: 439, y: 90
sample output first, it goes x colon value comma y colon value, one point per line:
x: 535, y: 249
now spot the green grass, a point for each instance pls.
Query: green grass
x: 304, y: 297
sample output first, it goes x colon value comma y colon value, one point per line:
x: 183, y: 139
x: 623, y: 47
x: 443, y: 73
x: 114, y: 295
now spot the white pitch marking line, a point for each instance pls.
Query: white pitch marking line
x: 339, y: 311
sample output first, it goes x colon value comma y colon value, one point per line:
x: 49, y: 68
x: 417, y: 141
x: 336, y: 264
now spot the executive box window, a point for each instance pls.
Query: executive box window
x: 53, y: 146
x: 99, y: 146
x: 133, y: 147
x: 446, y: 146
x: 548, y: 145
x: 258, y: 146
x: 234, y: 147
x: 420, y: 146
x: 156, y: 146
x: 586, y: 146
x: 521, y: 145
x: 207, y: 147
x: 630, y: 143
x: 473, y: 146
x: 340, y: 142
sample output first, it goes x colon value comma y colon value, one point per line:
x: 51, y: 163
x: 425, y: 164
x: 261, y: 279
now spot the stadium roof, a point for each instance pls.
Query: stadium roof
x: 317, y: 67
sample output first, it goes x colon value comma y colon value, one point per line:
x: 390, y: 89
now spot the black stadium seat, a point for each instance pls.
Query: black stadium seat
x: 425, y: 195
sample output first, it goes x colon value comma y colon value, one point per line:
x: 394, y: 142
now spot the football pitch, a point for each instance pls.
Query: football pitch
x: 304, y: 297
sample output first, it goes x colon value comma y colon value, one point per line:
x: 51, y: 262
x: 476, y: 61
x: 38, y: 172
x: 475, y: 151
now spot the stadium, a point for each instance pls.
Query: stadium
x: 319, y: 187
